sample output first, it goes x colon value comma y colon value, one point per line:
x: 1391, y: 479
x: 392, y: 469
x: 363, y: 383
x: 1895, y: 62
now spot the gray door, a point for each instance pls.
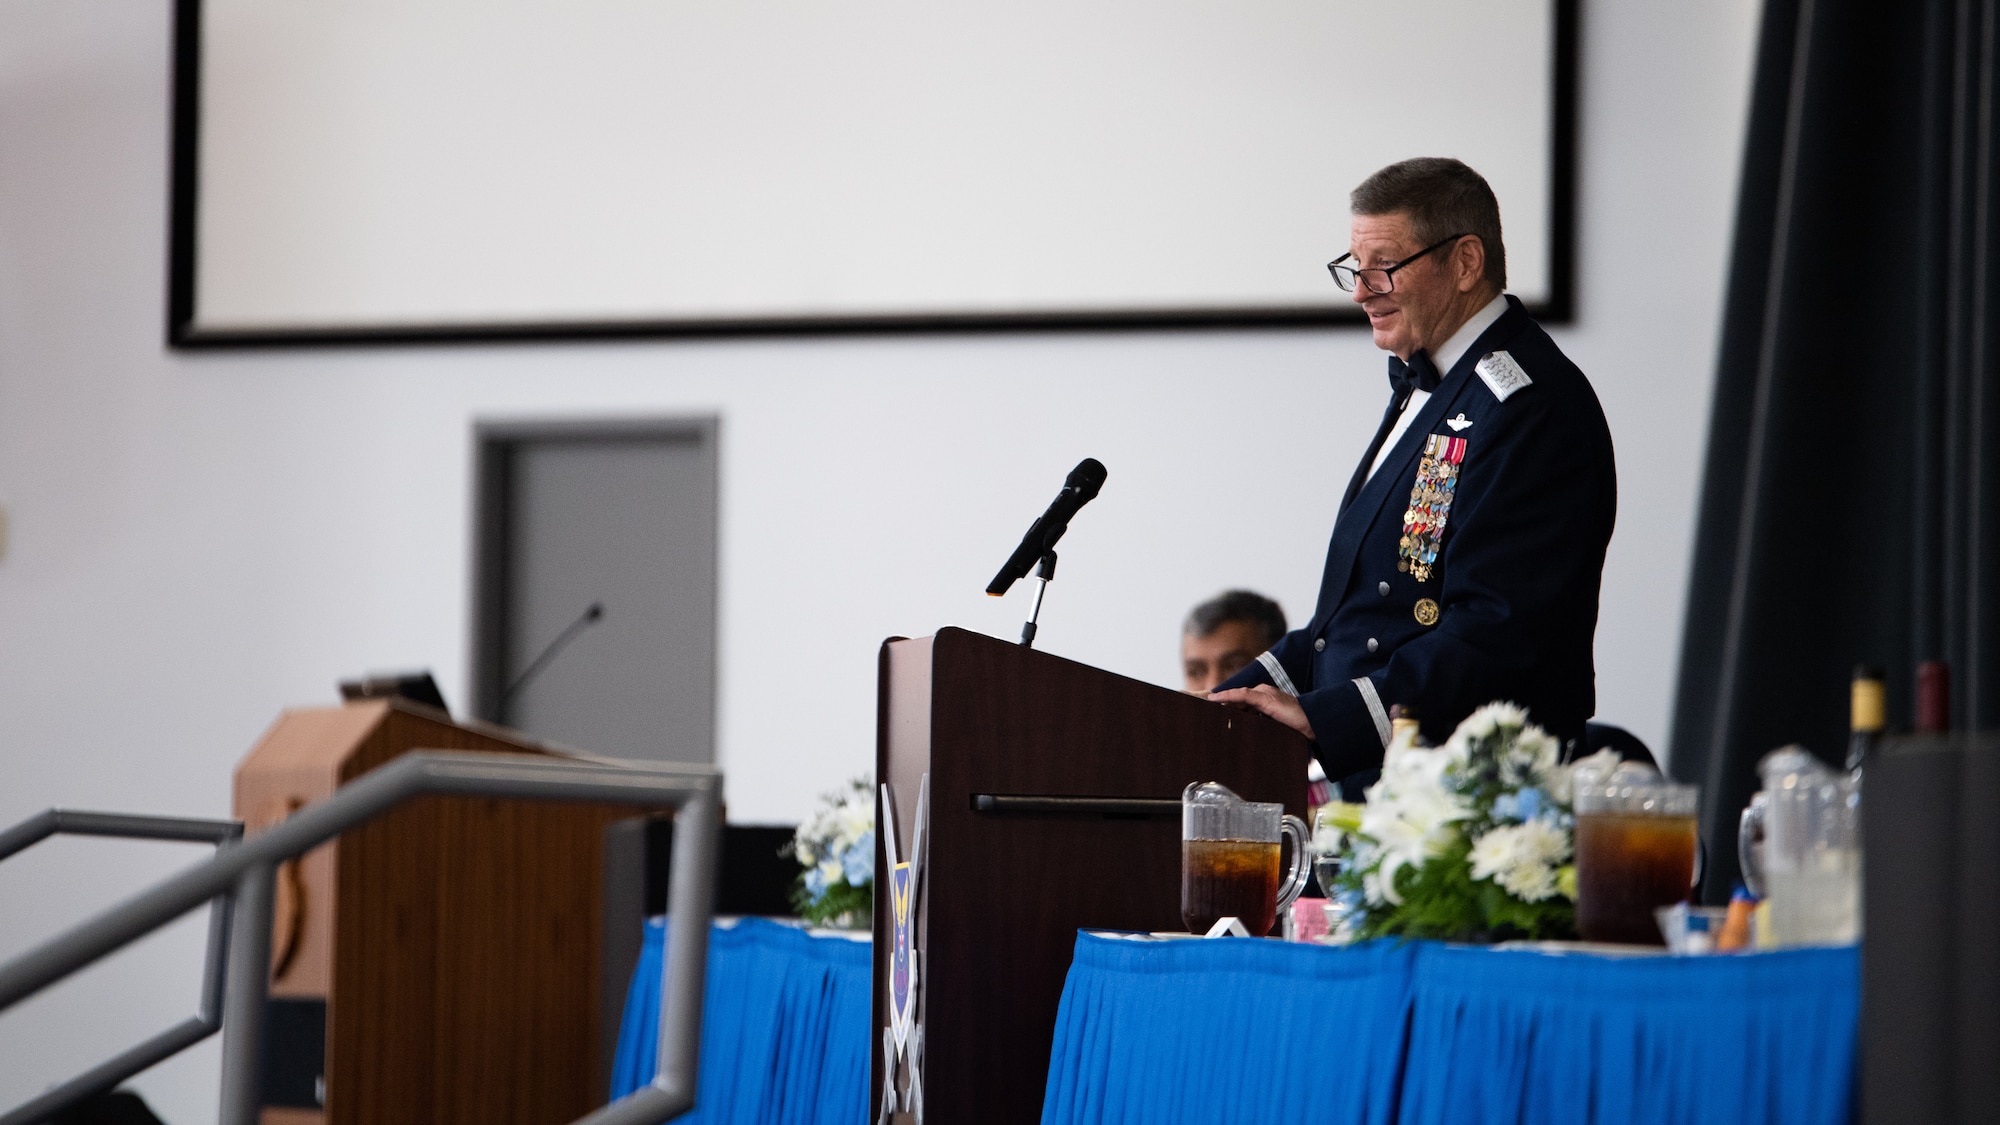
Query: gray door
x: 620, y: 515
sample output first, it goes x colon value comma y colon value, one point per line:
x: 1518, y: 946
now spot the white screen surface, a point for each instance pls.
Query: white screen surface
x: 491, y: 162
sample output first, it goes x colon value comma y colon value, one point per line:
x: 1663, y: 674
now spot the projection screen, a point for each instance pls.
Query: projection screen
x: 438, y: 169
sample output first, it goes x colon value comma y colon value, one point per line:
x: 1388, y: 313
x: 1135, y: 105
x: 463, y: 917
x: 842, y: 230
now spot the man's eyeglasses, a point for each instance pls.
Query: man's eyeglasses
x: 1382, y: 280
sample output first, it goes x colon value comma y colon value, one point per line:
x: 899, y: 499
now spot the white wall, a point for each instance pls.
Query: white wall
x: 199, y: 540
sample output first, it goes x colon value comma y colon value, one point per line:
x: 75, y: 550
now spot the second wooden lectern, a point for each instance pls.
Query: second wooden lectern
x: 440, y: 964
x: 1053, y: 806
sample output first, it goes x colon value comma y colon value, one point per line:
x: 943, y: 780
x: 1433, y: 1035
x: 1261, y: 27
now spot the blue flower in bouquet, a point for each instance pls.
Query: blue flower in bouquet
x: 859, y: 862
x: 1523, y: 805
x: 1470, y: 841
x: 835, y: 850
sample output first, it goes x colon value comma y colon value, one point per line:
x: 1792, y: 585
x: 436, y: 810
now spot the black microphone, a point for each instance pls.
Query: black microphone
x: 1079, y: 488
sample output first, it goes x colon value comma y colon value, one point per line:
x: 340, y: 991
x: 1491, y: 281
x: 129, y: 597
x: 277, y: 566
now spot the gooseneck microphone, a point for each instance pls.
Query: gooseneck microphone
x: 1079, y: 488
x: 584, y: 620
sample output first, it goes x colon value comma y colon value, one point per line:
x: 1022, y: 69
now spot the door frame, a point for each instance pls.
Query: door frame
x: 495, y: 444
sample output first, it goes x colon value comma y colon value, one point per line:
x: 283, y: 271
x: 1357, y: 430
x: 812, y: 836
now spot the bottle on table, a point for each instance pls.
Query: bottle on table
x: 1865, y: 710
x: 1933, y: 697
x: 1404, y: 733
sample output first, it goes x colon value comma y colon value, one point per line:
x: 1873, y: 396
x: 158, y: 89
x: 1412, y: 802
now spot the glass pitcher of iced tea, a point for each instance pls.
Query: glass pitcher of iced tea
x: 1230, y: 853
x: 1635, y: 851
x: 1800, y: 847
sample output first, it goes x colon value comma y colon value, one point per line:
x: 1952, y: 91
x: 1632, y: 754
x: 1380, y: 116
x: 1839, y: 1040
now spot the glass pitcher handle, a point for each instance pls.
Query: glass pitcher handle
x: 1301, y: 869
x: 1749, y: 830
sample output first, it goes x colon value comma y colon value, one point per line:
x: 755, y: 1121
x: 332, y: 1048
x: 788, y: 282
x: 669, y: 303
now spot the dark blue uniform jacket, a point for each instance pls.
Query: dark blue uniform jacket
x: 1516, y: 580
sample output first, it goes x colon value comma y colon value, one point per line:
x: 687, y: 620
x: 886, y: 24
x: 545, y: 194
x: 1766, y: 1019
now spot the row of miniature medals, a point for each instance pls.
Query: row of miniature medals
x: 1430, y: 505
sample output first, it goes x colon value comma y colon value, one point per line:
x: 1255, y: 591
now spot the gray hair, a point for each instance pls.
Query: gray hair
x: 1237, y: 605
x: 1443, y: 197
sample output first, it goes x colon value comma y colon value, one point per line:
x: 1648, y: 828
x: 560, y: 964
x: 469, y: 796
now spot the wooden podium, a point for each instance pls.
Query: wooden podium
x: 1054, y: 806
x: 441, y: 963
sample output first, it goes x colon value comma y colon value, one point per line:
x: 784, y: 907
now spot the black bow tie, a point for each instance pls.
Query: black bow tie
x: 1420, y: 374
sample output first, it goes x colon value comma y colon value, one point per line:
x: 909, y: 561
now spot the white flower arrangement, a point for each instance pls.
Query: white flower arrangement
x: 836, y: 848
x: 1468, y: 841
x: 1523, y: 858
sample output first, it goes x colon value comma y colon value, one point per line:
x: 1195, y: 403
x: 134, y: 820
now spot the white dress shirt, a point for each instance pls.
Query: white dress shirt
x: 1445, y: 358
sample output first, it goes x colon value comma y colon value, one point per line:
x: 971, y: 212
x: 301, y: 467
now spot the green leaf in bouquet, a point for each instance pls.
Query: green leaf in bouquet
x: 839, y: 899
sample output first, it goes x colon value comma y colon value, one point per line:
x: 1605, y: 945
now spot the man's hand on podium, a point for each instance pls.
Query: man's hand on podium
x: 1269, y: 700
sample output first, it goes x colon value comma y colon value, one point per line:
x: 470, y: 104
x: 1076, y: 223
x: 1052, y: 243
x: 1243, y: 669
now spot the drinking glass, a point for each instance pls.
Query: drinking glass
x: 1327, y: 839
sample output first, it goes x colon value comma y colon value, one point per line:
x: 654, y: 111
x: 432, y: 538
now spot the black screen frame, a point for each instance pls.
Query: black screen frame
x: 182, y: 332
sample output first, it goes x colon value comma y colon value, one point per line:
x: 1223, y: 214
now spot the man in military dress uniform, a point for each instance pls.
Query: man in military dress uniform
x: 1469, y: 546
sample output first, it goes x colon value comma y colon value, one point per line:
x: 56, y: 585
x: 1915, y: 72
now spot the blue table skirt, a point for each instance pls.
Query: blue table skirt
x: 1234, y: 1030
x: 784, y: 1030
x: 1184, y: 1030
x: 1211, y: 1031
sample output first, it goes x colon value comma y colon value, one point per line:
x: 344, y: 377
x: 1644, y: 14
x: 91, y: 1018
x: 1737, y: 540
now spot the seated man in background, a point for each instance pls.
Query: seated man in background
x: 1224, y: 634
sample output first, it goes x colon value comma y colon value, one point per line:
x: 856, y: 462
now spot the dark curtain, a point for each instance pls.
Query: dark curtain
x: 1852, y: 488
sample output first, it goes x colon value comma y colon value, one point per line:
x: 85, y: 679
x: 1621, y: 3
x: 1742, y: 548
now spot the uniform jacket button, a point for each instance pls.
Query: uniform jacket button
x: 1373, y: 644
x: 1382, y: 589
x: 1319, y: 645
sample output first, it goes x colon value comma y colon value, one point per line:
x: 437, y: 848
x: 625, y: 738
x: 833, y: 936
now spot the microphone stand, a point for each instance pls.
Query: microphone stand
x: 584, y: 620
x: 1045, y: 572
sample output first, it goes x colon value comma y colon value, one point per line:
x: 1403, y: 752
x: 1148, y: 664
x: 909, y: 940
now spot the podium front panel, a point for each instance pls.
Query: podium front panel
x: 1004, y: 892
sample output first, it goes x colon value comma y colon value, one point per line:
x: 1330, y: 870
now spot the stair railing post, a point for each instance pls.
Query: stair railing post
x: 248, y: 971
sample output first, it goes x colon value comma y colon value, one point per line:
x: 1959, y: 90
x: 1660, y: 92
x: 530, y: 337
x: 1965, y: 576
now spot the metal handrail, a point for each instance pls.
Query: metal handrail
x: 124, y: 826
x: 207, y: 1019
x: 247, y: 869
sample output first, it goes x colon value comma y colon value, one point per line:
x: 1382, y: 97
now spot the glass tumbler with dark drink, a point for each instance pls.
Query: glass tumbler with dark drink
x: 1635, y: 851
x: 1230, y: 853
